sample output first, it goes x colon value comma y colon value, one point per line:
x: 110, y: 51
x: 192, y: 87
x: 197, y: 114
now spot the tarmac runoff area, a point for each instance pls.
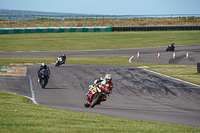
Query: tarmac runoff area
x: 137, y: 94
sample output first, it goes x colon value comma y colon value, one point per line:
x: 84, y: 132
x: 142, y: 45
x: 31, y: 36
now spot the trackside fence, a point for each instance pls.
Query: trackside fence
x: 14, y: 21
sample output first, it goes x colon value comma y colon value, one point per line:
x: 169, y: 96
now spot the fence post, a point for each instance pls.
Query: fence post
x: 132, y: 19
x: 179, y: 17
x: 29, y: 18
x: 23, y: 18
x: 163, y: 18
x: 3, y: 18
x: 147, y: 17
x: 171, y: 17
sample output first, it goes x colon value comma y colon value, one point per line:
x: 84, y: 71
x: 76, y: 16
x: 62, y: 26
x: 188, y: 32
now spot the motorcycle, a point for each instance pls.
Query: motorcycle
x: 97, y: 98
x: 170, y: 47
x: 43, y: 78
x: 59, y: 62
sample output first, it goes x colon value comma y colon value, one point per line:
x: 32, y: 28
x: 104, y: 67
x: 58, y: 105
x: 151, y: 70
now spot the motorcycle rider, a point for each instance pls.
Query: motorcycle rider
x: 63, y: 58
x: 59, y: 59
x: 171, y: 47
x: 105, y: 84
x: 43, y: 66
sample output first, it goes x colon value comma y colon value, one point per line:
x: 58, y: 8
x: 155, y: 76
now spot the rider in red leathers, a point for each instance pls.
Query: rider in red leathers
x: 105, y: 85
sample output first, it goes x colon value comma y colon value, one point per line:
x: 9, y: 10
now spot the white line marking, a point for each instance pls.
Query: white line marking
x: 170, y: 77
x: 130, y: 59
x: 31, y: 88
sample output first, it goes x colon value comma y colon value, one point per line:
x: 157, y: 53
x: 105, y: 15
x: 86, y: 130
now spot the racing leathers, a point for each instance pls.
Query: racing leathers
x: 101, y: 84
x: 63, y: 58
x: 59, y: 59
x: 43, y: 66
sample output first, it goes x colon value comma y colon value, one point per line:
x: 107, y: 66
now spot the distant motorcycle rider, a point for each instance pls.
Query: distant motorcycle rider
x: 43, y: 66
x: 63, y: 58
x: 171, y: 47
x: 105, y: 84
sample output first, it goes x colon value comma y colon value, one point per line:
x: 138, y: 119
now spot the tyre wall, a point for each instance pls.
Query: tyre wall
x: 155, y: 28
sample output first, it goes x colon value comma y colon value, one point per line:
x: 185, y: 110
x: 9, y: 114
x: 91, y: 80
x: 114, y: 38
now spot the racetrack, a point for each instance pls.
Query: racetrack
x: 137, y: 94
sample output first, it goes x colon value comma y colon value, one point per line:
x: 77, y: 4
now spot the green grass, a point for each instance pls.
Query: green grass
x: 91, y: 41
x: 18, y: 115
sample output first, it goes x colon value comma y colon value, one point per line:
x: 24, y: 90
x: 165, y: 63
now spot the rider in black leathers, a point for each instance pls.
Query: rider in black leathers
x: 63, y: 58
x: 43, y: 66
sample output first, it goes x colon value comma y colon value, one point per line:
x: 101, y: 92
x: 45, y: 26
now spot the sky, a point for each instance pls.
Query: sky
x: 106, y: 7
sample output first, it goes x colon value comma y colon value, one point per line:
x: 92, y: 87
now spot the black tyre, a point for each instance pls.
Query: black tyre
x: 96, y: 100
x: 87, y: 105
x: 43, y: 83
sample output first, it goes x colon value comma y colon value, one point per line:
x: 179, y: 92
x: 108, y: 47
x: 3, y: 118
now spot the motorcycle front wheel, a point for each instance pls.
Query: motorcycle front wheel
x: 96, y: 100
x: 87, y: 105
x: 43, y: 83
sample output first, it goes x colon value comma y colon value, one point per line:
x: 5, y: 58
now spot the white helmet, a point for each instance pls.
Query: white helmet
x: 108, y: 78
x: 43, y: 64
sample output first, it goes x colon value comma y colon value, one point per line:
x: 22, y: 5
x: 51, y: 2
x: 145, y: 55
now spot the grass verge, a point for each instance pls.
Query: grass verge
x: 91, y: 41
x: 18, y: 115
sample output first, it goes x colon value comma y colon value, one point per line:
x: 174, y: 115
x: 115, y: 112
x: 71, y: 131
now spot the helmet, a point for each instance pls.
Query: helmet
x: 108, y: 78
x: 43, y: 64
x: 63, y: 54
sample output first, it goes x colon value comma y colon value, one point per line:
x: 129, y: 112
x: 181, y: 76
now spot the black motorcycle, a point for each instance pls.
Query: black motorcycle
x: 43, y: 75
x: 170, y: 47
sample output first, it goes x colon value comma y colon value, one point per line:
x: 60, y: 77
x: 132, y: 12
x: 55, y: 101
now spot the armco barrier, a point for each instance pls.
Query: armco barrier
x: 54, y: 29
x: 156, y: 28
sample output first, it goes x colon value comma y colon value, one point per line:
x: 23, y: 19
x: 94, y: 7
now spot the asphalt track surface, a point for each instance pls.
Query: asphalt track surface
x: 137, y: 94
